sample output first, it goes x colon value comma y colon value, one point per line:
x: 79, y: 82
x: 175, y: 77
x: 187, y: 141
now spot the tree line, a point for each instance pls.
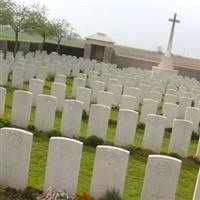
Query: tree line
x: 34, y: 19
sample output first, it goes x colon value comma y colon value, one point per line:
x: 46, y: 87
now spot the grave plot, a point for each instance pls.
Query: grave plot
x: 59, y: 116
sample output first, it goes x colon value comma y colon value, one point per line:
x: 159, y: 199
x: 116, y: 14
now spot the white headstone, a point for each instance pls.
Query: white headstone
x: 180, y: 137
x: 15, y: 156
x: 156, y: 96
x: 81, y: 75
x: 36, y: 88
x: 145, y: 88
x: 126, y: 127
x: 98, y: 120
x: 4, y: 71
x: 128, y: 102
x: 105, y: 78
x: 58, y: 90
x: 109, y: 170
x: 63, y: 165
x: 154, y: 132
x: 2, y: 100
x: 105, y: 98
x: 193, y: 114
x: 21, y: 108
x: 149, y: 106
x: 84, y: 95
x: 71, y: 118
x: 45, y: 112
x: 78, y: 82
x: 60, y: 78
x: 136, y: 92
x: 170, y: 111
x: 161, y: 178
x: 29, y: 73
x: 97, y: 86
x: 116, y: 89
x: 42, y: 73
x: 183, y: 104
x: 18, y: 78
x: 111, y: 82
x: 127, y: 85
x: 170, y: 98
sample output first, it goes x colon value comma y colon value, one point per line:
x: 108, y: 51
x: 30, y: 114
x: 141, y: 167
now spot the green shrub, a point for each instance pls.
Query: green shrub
x: 53, y: 133
x: 112, y: 122
x: 141, y: 126
x: 195, y: 136
x: 169, y: 130
x: 138, y: 151
x: 175, y: 155
x: 10, y: 76
x: 50, y: 77
x: 28, y: 194
x: 85, y: 115
x: 111, y: 195
x: 31, y: 128
x: 193, y: 105
x: 4, y: 122
x: 93, y: 141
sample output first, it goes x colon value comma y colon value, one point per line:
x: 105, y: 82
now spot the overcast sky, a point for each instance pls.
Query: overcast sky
x: 136, y: 23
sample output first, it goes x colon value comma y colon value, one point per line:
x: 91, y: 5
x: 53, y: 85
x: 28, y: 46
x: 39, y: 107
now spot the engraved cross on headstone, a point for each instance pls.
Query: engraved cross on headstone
x: 169, y: 47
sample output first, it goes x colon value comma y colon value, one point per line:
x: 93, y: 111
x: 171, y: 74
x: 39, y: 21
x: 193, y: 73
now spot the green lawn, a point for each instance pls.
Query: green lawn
x: 136, y: 167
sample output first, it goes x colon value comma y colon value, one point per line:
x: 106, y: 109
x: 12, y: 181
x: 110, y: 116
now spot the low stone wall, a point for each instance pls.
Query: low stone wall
x: 125, y: 61
x: 151, y: 55
x: 192, y: 70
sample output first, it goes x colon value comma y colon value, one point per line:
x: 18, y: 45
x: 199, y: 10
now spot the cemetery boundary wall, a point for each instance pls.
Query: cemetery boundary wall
x: 186, y: 66
x: 33, y: 46
x: 140, y: 59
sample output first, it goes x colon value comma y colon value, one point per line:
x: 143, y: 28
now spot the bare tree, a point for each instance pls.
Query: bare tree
x: 38, y: 23
x: 16, y: 15
x: 61, y: 29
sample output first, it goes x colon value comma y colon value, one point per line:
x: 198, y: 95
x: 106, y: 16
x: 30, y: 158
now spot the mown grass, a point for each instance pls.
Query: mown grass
x: 137, y: 163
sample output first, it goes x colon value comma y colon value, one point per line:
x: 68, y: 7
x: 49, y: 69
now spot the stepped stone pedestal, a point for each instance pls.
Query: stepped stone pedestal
x: 165, y: 69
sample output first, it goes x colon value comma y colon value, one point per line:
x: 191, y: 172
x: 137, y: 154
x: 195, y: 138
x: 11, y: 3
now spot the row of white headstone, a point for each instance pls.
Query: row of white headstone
x: 66, y: 62
x: 135, y: 91
x: 117, y: 86
x: 43, y: 64
x: 99, y: 120
x: 130, y: 99
x: 63, y: 166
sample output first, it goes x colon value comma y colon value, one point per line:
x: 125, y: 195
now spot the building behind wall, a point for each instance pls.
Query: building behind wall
x: 99, y: 47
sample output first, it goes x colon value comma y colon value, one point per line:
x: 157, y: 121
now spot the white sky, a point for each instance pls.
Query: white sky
x: 136, y: 23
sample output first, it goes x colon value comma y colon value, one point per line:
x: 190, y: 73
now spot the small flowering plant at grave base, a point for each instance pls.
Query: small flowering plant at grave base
x: 85, y: 196
x: 52, y: 195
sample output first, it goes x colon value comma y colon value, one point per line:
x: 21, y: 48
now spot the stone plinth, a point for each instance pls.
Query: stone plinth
x: 166, y: 62
x: 164, y: 73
